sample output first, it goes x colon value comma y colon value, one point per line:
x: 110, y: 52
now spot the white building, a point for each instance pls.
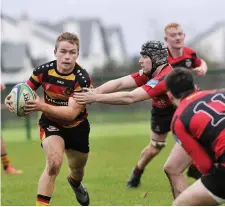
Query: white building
x: 117, y: 50
x: 35, y: 42
x: 211, y: 44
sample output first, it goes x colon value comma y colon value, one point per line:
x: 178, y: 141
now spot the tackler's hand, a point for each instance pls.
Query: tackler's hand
x: 87, y: 96
x: 199, y: 71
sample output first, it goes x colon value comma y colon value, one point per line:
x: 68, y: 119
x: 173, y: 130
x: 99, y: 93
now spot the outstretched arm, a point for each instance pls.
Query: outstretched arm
x: 118, y: 98
x: 116, y: 85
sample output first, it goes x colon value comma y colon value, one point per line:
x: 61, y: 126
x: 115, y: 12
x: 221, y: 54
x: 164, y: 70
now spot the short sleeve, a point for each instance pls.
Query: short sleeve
x: 140, y: 79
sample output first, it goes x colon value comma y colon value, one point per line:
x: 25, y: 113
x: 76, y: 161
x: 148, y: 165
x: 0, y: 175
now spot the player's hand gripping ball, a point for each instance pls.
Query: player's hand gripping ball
x: 20, y: 94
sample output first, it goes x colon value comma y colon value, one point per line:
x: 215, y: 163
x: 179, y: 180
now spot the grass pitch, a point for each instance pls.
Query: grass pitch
x: 115, y: 149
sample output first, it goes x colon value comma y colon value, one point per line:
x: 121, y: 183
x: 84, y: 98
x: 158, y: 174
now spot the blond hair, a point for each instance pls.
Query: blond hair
x: 171, y: 25
x: 70, y: 37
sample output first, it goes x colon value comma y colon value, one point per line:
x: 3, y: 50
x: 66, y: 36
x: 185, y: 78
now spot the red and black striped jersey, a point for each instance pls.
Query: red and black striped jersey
x: 155, y: 87
x: 199, y: 125
x: 59, y: 87
x: 188, y: 60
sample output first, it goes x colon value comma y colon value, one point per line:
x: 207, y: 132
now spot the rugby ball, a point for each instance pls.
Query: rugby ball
x: 20, y: 94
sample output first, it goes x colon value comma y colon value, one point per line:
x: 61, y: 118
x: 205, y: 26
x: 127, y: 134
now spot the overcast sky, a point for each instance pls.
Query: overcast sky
x: 146, y: 16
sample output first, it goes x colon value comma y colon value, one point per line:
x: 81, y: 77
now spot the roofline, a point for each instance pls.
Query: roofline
x: 204, y: 34
x: 9, y: 19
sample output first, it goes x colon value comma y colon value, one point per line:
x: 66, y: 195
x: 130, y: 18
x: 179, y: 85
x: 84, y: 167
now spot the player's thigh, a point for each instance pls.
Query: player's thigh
x: 77, y: 144
x: 160, y: 122
x: 77, y: 138
x: 178, y: 160
x: 195, y: 195
x: 53, y: 144
x: 76, y: 159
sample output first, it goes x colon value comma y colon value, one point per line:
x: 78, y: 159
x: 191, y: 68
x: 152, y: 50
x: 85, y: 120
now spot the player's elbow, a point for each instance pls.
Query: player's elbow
x: 130, y: 98
x: 124, y: 100
x: 71, y: 117
x: 98, y: 90
x: 72, y: 114
x: 128, y: 101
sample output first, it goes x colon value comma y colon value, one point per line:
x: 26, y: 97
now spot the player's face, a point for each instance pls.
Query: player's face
x: 145, y: 63
x: 66, y: 55
x: 175, y: 37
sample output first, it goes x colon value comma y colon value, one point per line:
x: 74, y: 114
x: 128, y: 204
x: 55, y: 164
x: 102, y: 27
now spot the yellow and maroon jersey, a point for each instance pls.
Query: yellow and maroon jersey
x: 59, y: 87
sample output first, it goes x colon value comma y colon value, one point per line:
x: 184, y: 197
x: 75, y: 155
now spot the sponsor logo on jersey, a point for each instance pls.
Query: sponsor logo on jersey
x: 188, y: 63
x: 60, y: 82
x: 52, y: 129
x: 68, y: 91
x: 152, y: 83
x: 57, y: 102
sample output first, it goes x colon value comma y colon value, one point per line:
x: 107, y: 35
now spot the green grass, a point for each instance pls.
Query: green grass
x: 115, y: 149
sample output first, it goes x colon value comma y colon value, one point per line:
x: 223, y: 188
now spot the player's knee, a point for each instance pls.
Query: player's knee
x: 158, y: 144
x: 168, y: 169
x: 77, y: 173
x: 150, y: 151
x: 153, y: 149
x: 171, y: 169
x: 53, y: 167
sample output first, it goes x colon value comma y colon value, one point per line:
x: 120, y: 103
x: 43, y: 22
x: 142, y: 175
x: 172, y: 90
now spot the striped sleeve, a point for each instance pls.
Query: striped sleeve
x: 35, y: 79
x: 140, y: 79
x: 192, y: 147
